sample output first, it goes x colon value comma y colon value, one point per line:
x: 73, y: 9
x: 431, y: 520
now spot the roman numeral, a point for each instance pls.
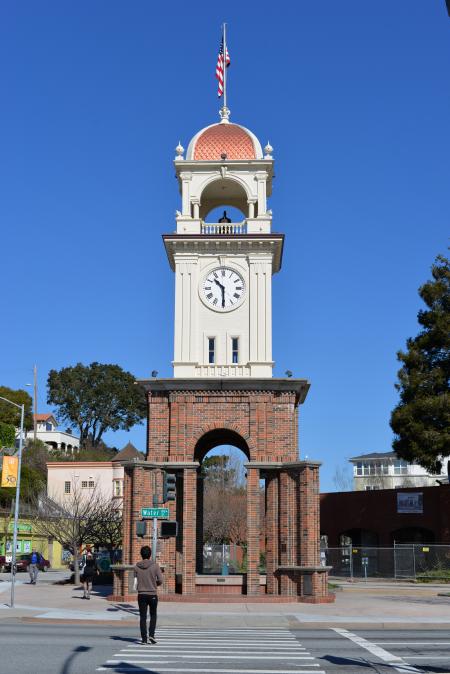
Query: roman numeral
x: 236, y: 295
x: 207, y: 287
x: 239, y: 288
x: 214, y: 274
x: 223, y: 272
x: 209, y: 295
x: 215, y: 301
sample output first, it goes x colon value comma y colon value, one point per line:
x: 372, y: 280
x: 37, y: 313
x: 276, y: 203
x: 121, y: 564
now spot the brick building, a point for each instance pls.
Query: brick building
x: 222, y: 391
x: 382, y: 517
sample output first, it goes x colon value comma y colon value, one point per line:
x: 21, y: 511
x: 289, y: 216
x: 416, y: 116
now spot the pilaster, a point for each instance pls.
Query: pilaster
x: 253, y: 530
x: 189, y: 530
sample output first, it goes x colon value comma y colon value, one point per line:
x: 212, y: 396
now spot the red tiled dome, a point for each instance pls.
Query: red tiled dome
x: 229, y: 139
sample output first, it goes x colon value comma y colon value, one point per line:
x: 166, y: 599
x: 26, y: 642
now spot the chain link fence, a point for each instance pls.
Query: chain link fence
x: 416, y: 561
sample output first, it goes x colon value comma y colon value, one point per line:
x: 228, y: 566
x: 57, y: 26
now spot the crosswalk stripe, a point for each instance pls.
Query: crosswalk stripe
x: 239, y: 656
x: 225, y: 651
x: 197, y: 670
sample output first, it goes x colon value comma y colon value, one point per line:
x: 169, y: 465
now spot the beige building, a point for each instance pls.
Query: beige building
x: 104, y: 477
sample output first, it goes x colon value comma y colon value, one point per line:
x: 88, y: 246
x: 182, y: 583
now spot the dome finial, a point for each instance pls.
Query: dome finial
x: 224, y: 114
x: 268, y: 150
x: 180, y: 151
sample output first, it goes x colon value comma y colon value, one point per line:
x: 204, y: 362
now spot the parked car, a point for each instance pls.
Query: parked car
x: 80, y: 564
x: 24, y: 561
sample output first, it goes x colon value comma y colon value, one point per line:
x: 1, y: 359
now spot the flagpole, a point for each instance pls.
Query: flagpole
x: 224, y: 66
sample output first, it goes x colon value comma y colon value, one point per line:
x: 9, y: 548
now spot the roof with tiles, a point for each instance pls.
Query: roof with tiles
x: 231, y: 139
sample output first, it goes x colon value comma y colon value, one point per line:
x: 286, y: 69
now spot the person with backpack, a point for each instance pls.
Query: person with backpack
x: 147, y: 578
x: 33, y: 568
x: 89, y: 571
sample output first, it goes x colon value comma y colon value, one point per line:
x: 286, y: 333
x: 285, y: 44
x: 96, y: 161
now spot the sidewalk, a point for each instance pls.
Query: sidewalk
x: 357, y: 605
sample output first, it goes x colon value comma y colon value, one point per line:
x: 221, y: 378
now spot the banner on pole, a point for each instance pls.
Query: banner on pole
x: 9, y: 471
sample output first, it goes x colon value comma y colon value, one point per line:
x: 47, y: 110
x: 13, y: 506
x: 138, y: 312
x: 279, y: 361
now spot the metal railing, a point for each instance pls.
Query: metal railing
x: 224, y: 228
x: 417, y: 561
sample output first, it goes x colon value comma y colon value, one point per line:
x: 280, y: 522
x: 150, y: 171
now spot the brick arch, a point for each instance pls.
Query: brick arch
x: 215, y: 434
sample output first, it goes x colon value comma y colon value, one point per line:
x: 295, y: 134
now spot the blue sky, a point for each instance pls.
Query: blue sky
x: 354, y: 96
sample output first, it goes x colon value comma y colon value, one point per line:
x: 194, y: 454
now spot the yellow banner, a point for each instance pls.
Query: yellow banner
x: 9, y: 471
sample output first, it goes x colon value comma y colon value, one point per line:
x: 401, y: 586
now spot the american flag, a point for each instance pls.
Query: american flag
x: 219, y: 67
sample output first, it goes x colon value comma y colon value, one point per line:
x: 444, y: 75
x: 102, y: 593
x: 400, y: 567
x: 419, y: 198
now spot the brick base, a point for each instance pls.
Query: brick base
x: 204, y: 598
x: 188, y: 418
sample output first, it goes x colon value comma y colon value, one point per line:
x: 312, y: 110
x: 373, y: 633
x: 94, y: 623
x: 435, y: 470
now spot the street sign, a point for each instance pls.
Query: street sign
x: 150, y: 513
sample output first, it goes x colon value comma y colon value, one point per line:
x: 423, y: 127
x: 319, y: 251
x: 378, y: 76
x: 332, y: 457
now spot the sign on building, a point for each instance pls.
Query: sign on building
x: 410, y: 502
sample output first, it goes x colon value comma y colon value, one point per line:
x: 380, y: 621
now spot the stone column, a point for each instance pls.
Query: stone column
x: 189, y: 529
x: 288, y: 531
x: 253, y: 530
x: 272, y: 532
x: 309, y: 517
x: 199, y: 532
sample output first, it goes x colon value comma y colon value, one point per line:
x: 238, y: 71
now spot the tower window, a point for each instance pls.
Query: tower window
x: 211, y: 350
x: 235, y: 349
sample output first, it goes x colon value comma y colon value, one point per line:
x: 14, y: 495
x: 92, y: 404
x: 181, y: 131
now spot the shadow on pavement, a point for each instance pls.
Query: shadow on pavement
x: 347, y: 662
x: 67, y: 666
x: 350, y: 662
x: 129, y: 640
x: 126, y: 667
x: 128, y: 608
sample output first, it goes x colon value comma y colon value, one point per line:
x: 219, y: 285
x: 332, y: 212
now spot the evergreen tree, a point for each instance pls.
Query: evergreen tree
x: 421, y: 420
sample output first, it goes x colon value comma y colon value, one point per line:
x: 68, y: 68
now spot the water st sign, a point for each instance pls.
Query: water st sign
x: 150, y: 513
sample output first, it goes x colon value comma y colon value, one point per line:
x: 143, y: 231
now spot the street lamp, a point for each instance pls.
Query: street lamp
x: 16, y: 505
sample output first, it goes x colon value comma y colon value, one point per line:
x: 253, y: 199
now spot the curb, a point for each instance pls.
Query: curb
x: 289, y: 624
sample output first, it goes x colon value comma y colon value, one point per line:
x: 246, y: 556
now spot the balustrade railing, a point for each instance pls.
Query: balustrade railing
x: 224, y: 228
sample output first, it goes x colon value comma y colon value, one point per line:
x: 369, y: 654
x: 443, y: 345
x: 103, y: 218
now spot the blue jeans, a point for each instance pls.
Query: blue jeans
x: 33, y: 570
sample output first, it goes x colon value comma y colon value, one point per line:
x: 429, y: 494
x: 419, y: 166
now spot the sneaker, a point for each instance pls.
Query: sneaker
x: 152, y: 640
x: 144, y: 642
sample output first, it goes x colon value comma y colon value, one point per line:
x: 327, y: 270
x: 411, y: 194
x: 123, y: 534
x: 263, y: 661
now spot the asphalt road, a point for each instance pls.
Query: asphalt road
x: 76, y: 649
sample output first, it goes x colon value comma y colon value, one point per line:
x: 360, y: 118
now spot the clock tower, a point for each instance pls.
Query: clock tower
x: 223, y: 269
x: 223, y: 391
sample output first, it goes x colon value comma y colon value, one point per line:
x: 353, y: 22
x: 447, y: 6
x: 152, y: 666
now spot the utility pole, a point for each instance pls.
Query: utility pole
x: 35, y: 402
x: 17, y: 499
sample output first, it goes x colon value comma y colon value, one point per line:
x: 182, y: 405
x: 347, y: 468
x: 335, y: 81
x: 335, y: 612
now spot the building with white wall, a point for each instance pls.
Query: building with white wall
x: 47, y: 431
x: 384, y: 470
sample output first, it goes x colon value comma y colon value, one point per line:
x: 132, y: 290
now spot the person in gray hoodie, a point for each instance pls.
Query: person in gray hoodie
x: 147, y: 578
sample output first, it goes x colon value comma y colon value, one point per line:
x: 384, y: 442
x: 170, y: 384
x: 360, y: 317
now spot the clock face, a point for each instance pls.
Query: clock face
x: 223, y: 289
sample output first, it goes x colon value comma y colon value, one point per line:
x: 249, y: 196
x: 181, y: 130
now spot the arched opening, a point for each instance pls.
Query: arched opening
x: 222, y: 508
x: 222, y: 193
x: 361, y: 552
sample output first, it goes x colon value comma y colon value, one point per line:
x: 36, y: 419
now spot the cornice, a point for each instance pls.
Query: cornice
x: 299, y: 387
x: 222, y: 244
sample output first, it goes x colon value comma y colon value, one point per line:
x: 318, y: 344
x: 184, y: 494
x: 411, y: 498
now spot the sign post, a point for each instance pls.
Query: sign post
x: 365, y: 563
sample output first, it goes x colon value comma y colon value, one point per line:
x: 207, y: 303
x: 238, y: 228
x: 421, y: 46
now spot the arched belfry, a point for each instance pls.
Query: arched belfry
x: 223, y: 391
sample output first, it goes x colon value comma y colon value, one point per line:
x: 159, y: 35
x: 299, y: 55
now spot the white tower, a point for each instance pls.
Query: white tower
x: 223, y: 270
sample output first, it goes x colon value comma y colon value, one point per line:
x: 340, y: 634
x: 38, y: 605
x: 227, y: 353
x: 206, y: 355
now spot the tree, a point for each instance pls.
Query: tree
x: 342, y: 478
x: 31, y: 483
x: 76, y: 520
x: 224, y: 500
x: 107, y: 528
x: 10, y: 414
x: 96, y: 398
x: 7, y: 435
x: 421, y: 420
